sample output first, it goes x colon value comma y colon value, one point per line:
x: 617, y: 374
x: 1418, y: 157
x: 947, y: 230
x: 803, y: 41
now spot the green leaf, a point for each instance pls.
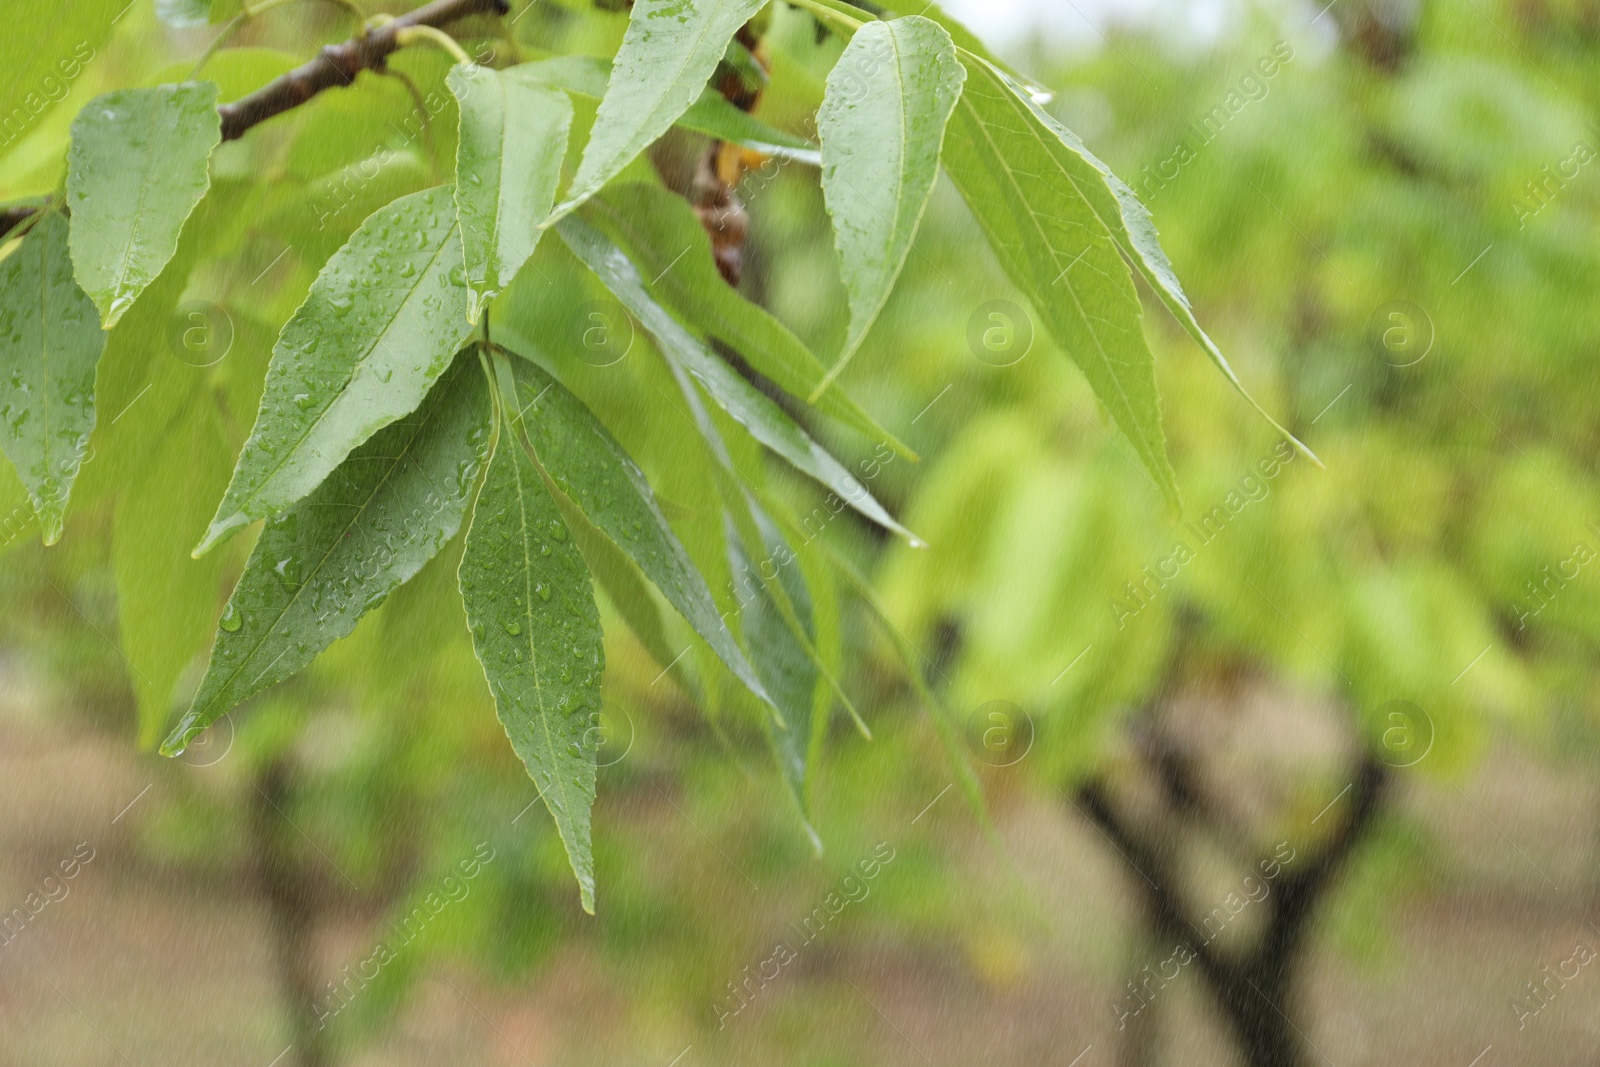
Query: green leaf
x: 508, y: 164
x: 588, y: 465
x: 166, y: 601
x: 138, y: 165
x: 882, y: 124
x: 381, y: 323
x: 659, y: 231
x: 1131, y: 226
x: 765, y: 420
x: 314, y: 572
x: 912, y: 658
x: 968, y: 41
x: 711, y: 114
x: 1055, y: 249
x: 670, y: 49
x: 50, y: 342
x: 785, y: 665
x: 536, y: 631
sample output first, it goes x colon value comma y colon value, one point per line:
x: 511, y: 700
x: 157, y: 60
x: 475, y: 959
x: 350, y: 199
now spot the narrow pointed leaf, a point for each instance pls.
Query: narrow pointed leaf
x: 785, y: 665
x: 711, y: 114
x: 882, y: 124
x: 660, y: 233
x: 314, y: 572
x: 139, y: 163
x: 380, y: 325
x: 670, y: 49
x: 50, y: 342
x: 738, y: 483
x: 589, y: 466
x: 913, y: 659
x: 1056, y: 249
x: 536, y: 631
x: 508, y: 164
x: 765, y: 420
x: 1129, y: 221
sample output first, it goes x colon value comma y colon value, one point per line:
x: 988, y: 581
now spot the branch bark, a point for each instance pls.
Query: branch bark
x: 291, y: 910
x: 338, y: 64
x: 1254, y: 988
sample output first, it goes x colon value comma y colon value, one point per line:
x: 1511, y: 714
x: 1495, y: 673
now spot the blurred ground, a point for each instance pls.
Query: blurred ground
x: 132, y: 943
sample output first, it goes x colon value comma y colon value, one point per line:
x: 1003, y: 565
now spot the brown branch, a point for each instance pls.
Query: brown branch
x: 1158, y: 879
x: 712, y: 193
x: 1253, y: 984
x: 1303, y: 887
x: 338, y: 64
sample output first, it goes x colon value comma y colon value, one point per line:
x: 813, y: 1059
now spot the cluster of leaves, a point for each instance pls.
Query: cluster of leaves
x: 388, y: 424
x: 1449, y: 534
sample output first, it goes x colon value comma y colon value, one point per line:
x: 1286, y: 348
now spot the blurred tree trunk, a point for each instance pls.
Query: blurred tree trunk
x: 1141, y: 1030
x: 282, y: 881
x: 1254, y: 988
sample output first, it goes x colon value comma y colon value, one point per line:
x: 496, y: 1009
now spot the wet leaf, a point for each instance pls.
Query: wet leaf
x: 1055, y: 249
x: 785, y: 665
x: 660, y: 233
x: 589, y: 466
x: 710, y: 114
x: 536, y: 631
x: 882, y: 124
x: 508, y: 163
x: 380, y: 325
x: 1130, y: 225
x: 314, y: 572
x: 669, y: 51
x: 139, y: 163
x: 765, y: 420
x: 50, y: 343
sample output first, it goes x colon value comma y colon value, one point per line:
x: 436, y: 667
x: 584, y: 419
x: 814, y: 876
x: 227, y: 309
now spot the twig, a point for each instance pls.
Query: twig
x: 338, y: 64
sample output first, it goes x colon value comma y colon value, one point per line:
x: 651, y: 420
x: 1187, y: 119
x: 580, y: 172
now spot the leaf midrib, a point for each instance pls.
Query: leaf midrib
x: 145, y: 176
x: 44, y: 362
x: 533, y: 653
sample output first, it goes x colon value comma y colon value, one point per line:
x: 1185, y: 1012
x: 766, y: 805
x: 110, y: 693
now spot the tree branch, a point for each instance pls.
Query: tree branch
x: 1303, y: 887
x: 1158, y: 881
x: 338, y: 64
x: 335, y: 67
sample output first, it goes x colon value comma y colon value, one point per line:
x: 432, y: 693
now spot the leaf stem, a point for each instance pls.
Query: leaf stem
x: 217, y: 42
x: 827, y: 13
x: 436, y: 37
